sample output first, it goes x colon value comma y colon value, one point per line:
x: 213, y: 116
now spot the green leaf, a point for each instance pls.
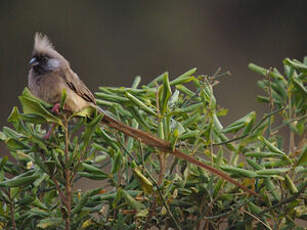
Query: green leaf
x: 218, y: 186
x: 296, y: 64
x: 8, y: 132
x: 189, y: 108
x: 272, y: 188
x: 140, y: 104
x: 262, y: 71
x: 263, y: 154
x: 185, y: 90
x: 63, y: 98
x: 165, y: 94
x: 239, y: 171
x: 50, y: 222
x: 2, y: 136
x: 116, y: 163
x: 89, y: 130
x: 157, y: 80
x: 136, y: 82
x: 245, y: 121
x: 14, y: 144
x: 19, y: 181
x: 254, y: 208
x: 94, y: 170
x: 275, y: 171
x: 93, y: 176
x: 290, y: 185
x: 300, y: 85
x: 112, y: 98
x: 254, y: 164
x: 273, y: 148
x: 86, y: 112
x: 233, y: 129
x: 131, y: 201
x: 14, y: 115
x: 3, y: 162
x: 85, y: 197
x: 303, y: 157
x: 32, y: 105
x: 189, y: 134
x: 146, y: 185
x: 184, y: 78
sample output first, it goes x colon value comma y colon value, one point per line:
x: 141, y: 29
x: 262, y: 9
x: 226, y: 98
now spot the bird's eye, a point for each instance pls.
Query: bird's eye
x: 43, y: 58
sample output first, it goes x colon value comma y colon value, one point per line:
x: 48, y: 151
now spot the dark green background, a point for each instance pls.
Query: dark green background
x: 110, y: 42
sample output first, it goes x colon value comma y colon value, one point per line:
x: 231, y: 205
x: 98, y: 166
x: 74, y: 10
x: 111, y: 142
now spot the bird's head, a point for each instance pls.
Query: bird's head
x: 45, y: 58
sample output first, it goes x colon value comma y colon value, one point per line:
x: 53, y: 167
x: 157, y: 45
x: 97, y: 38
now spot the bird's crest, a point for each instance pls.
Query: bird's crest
x: 42, y: 44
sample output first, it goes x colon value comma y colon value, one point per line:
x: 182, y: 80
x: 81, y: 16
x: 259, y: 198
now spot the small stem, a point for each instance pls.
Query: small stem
x: 164, y: 146
x: 12, y: 211
x: 257, y: 219
x: 271, y: 106
x: 163, y: 200
x: 67, y: 177
x: 291, y: 116
x: 162, y: 167
x: 58, y: 188
x: 251, y: 132
x: 284, y: 201
x: 288, y: 122
x: 157, y: 186
x: 154, y: 203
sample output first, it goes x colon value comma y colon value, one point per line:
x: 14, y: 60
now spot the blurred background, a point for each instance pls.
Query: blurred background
x: 110, y: 42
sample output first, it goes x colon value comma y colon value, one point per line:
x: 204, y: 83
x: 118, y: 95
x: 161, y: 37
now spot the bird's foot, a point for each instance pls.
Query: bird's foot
x: 49, y: 132
x: 56, y: 108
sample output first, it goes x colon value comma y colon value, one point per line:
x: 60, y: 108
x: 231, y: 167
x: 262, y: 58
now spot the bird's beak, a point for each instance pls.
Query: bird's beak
x: 33, y: 61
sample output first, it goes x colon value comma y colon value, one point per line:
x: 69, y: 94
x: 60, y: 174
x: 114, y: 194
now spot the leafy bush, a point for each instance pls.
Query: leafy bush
x: 144, y: 187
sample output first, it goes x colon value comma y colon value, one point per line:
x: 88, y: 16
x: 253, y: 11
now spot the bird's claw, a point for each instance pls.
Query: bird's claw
x: 56, y: 108
x: 48, y: 134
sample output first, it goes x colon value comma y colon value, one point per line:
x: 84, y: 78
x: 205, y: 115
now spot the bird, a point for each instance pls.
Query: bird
x: 50, y: 73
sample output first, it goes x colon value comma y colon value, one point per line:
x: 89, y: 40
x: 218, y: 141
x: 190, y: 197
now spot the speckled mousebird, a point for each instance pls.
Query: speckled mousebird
x: 50, y: 73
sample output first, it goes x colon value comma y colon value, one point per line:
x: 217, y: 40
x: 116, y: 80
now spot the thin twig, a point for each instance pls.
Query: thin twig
x: 158, y: 188
x: 67, y: 177
x: 285, y: 201
x: 287, y: 122
x: 271, y: 106
x: 252, y: 130
x: 291, y: 136
x: 165, y: 146
x: 12, y: 210
x: 57, y: 186
x: 163, y: 200
x: 256, y: 218
x: 154, y: 203
x: 161, y: 155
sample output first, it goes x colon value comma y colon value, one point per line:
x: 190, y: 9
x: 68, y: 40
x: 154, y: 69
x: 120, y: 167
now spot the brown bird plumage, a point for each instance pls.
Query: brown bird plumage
x: 50, y: 73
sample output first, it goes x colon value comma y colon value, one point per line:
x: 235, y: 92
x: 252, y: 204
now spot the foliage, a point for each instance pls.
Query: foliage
x: 144, y: 187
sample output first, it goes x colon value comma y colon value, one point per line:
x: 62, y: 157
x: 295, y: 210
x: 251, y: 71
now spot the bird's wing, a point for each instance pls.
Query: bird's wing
x: 74, y: 83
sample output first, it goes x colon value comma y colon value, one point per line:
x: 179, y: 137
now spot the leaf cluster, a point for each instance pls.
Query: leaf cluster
x: 140, y: 186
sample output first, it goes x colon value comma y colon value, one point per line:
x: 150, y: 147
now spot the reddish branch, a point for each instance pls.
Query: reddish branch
x: 67, y: 177
x: 164, y: 146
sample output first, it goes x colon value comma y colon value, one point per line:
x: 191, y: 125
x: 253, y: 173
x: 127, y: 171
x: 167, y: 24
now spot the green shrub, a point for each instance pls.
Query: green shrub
x: 145, y: 187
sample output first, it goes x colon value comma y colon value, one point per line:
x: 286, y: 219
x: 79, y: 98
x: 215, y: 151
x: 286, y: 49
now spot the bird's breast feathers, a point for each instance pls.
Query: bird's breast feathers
x: 49, y: 87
